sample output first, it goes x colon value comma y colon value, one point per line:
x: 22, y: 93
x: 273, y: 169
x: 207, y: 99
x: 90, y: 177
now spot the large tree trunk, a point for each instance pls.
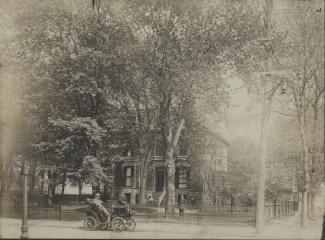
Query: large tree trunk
x: 80, y: 189
x: 316, y: 167
x: 33, y: 172
x: 143, y: 180
x: 51, y: 187
x: 309, y: 204
x: 312, y: 204
x: 170, y: 189
x: 143, y: 173
x: 143, y: 176
x: 4, y: 178
x: 63, y: 181
x: 170, y: 162
x: 306, y: 160
x: 7, y: 175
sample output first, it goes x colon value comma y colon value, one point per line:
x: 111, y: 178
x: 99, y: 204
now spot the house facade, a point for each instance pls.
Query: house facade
x: 191, y: 179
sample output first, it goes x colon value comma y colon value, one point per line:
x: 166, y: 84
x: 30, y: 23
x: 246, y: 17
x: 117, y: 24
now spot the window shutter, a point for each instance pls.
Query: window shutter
x: 118, y: 175
x: 177, y: 178
x: 132, y: 176
x: 124, y: 176
x: 137, y: 173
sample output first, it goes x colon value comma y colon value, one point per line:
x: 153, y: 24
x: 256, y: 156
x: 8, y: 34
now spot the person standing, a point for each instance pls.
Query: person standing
x: 150, y: 201
x: 182, y: 205
x: 232, y: 204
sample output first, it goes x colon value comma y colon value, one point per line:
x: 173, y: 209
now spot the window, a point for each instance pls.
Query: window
x: 129, y: 178
x: 183, y: 147
x: 183, y: 178
x: 127, y: 150
x: 128, y: 197
x: 180, y: 197
x: 159, y: 147
x: 127, y: 153
x: 137, y: 200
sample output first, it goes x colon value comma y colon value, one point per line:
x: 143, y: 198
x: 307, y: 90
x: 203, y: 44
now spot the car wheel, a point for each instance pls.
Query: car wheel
x: 130, y: 224
x: 90, y: 223
x: 118, y: 224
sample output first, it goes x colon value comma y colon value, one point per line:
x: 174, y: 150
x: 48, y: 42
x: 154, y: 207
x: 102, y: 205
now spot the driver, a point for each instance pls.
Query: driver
x: 99, y: 204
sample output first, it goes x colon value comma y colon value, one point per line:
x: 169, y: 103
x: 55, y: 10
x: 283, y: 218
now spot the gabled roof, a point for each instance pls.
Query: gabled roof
x: 218, y: 137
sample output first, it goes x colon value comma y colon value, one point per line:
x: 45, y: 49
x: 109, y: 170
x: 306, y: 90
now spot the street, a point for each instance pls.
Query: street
x: 284, y: 228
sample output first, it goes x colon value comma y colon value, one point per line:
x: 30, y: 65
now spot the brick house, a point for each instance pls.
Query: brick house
x: 190, y: 180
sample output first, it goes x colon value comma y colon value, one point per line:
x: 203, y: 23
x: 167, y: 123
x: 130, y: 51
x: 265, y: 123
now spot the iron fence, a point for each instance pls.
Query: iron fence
x: 192, y: 213
x: 277, y: 209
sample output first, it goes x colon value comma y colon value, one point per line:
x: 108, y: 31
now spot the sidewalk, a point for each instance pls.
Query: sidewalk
x: 284, y: 228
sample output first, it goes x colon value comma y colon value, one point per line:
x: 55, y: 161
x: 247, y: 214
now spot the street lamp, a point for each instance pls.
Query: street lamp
x: 24, y: 227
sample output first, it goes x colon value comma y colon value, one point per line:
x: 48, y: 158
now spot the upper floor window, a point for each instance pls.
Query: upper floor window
x: 159, y: 147
x: 183, y: 147
x: 127, y: 152
x: 183, y: 178
x: 129, y: 176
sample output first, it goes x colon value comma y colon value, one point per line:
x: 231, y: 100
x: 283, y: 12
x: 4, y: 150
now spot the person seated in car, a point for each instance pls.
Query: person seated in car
x: 122, y: 202
x: 99, y: 203
x: 122, y: 205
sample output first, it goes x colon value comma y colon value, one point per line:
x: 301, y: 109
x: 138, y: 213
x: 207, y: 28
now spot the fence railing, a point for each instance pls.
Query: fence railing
x: 277, y: 209
x: 217, y: 215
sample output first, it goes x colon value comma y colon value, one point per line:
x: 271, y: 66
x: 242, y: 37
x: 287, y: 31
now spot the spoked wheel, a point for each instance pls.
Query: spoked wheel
x: 130, y: 225
x: 118, y: 224
x: 90, y: 223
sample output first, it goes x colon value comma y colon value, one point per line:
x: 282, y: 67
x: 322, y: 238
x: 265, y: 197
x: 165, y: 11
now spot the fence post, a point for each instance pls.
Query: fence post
x: 266, y: 212
x: 47, y: 212
x: 148, y: 214
x: 287, y: 207
x: 197, y: 215
x: 60, y: 213
x: 282, y: 208
x: 274, y: 210
x: 290, y: 206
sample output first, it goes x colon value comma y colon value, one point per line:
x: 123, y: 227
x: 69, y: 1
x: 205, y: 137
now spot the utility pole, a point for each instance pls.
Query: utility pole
x: 24, y: 228
x: 267, y: 101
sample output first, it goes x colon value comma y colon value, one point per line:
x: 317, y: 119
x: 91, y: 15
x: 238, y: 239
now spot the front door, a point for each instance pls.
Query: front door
x: 128, y: 197
x: 160, y: 179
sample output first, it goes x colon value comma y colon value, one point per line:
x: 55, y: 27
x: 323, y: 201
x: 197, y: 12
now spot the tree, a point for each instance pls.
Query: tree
x: 242, y: 161
x: 74, y: 145
x: 301, y: 54
x: 71, y: 63
x: 137, y: 102
x: 178, y: 65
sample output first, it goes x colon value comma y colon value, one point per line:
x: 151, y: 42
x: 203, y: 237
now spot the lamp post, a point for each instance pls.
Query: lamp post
x: 24, y: 227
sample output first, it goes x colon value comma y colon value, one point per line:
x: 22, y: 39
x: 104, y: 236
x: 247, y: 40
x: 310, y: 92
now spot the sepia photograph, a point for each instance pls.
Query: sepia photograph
x: 162, y: 119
